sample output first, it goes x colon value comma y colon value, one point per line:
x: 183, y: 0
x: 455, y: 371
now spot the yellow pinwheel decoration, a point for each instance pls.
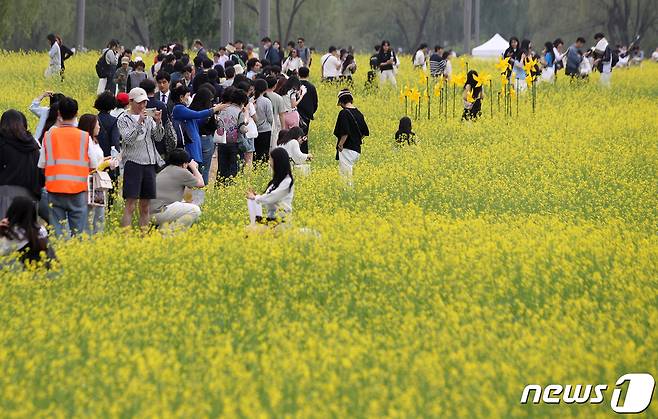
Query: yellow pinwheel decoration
x: 529, y: 79
x: 482, y: 79
x: 530, y: 65
x: 415, y: 95
x: 469, y: 97
x: 459, y: 79
x: 422, y: 77
x: 503, y: 64
x: 437, y: 89
x: 407, y: 91
x: 512, y: 92
x: 504, y: 80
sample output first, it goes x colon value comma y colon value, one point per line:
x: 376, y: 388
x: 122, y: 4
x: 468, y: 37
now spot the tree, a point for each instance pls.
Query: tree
x: 292, y: 13
x: 419, y: 12
x: 629, y: 18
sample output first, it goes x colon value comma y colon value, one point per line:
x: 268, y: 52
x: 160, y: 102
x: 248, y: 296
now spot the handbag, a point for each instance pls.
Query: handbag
x: 169, y: 137
x: 98, y: 183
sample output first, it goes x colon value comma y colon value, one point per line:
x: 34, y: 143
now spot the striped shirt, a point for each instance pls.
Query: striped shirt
x: 437, y: 65
x: 138, y: 140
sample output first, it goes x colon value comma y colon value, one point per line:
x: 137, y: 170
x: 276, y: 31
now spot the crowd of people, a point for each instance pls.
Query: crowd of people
x: 155, y: 135
x: 159, y: 127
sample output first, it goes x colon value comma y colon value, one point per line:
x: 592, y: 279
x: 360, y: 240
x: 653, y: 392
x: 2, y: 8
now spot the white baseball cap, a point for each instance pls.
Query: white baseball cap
x: 138, y: 95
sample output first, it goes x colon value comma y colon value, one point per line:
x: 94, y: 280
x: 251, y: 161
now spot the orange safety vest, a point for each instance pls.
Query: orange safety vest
x: 67, y: 160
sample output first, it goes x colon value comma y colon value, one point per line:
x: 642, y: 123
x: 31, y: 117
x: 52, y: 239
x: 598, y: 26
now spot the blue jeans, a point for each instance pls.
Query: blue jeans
x: 207, y: 151
x: 68, y: 208
x: 96, y: 220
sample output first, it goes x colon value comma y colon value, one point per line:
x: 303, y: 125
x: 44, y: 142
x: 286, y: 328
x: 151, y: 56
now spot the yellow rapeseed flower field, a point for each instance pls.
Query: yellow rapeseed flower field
x: 491, y: 255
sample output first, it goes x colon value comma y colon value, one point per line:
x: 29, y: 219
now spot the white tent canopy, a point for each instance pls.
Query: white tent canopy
x: 492, y: 48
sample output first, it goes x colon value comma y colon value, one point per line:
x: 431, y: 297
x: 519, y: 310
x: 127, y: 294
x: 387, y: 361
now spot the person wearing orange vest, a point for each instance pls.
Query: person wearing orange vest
x: 65, y: 160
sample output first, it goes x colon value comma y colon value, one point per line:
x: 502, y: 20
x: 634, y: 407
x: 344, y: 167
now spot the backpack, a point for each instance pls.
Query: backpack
x: 102, y: 66
x: 614, y: 57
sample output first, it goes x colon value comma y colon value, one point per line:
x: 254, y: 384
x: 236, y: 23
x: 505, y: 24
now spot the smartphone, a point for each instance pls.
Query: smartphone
x: 150, y: 112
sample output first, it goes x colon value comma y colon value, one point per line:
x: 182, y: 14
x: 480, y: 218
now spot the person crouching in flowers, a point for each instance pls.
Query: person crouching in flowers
x: 472, y: 97
x: 291, y: 141
x: 20, y: 232
x: 404, y: 134
x: 350, y: 129
x: 277, y: 198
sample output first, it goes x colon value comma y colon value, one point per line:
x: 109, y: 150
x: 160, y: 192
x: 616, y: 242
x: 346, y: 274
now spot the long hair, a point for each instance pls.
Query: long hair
x: 281, y: 168
x: 291, y: 84
x: 51, y: 38
x: 13, y: 124
x: 87, y: 123
x: 470, y: 81
x: 405, y: 126
x: 22, y: 217
x: 549, y: 49
x: 348, y: 61
x: 525, y: 47
x: 202, y: 100
x: 283, y: 137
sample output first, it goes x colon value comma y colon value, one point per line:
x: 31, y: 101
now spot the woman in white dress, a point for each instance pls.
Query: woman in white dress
x: 55, y: 55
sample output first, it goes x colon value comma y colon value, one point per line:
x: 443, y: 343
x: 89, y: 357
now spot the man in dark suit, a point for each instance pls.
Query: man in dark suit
x: 164, y: 94
x: 307, y: 106
x: 271, y: 53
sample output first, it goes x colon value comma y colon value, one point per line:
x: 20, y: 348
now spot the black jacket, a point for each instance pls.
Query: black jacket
x: 18, y: 164
x: 309, y: 103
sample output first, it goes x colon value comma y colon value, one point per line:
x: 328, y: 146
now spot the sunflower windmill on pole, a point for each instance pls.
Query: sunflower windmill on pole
x: 529, y: 67
x: 503, y: 65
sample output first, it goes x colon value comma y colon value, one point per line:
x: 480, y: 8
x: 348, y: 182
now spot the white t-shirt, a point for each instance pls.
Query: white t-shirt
x: 419, y: 59
x: 654, y: 56
x: 96, y: 156
x: 331, y: 65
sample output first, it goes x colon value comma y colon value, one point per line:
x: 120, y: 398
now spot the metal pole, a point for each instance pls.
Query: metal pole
x: 477, y: 22
x: 264, y: 15
x: 468, y: 16
x: 228, y: 17
x: 80, y: 30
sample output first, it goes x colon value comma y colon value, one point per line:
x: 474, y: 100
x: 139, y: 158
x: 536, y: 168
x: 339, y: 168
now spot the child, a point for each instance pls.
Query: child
x: 472, y: 97
x: 137, y: 76
x: 279, y: 193
x: 121, y: 75
x: 20, y: 232
x: 405, y: 135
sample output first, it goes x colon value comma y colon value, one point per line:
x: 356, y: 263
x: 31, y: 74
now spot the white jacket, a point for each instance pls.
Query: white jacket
x: 279, y: 198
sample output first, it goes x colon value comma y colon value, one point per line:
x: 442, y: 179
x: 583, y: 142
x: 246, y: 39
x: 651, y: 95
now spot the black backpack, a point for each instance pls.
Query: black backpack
x: 102, y: 66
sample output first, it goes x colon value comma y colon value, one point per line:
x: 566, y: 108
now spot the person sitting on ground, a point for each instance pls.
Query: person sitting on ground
x: 181, y: 172
x: 279, y: 193
x: 404, y: 134
x: 20, y: 232
x: 290, y: 141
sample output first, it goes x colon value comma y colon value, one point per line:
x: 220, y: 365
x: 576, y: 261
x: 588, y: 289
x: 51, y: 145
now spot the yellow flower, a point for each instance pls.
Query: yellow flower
x: 503, y: 64
x: 459, y: 79
x: 504, y: 80
x: 437, y: 89
x: 415, y: 95
x: 482, y: 79
x: 530, y: 65
x: 469, y: 96
x: 529, y: 79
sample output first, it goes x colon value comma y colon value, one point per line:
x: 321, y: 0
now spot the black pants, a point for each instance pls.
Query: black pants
x: 305, y: 125
x: 262, y: 145
x: 227, y: 159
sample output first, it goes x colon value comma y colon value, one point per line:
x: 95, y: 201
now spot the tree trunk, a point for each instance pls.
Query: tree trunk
x: 80, y: 32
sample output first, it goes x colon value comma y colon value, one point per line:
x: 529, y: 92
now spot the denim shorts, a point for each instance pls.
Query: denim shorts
x: 246, y: 145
